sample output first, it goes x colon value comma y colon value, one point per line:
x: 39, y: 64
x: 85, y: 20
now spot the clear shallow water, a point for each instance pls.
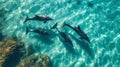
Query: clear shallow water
x: 100, y: 23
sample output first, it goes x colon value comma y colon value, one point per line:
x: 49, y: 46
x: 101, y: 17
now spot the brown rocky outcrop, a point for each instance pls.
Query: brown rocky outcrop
x: 14, y: 54
x: 35, y: 61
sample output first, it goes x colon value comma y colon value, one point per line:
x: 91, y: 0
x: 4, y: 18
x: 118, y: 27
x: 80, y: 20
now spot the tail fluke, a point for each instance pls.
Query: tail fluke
x: 27, y: 30
x: 63, y: 24
x: 26, y: 19
x: 54, y: 26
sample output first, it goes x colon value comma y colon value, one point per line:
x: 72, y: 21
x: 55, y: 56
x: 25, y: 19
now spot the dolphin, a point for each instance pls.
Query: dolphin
x: 40, y: 31
x: 38, y: 18
x: 78, y: 31
x: 63, y: 34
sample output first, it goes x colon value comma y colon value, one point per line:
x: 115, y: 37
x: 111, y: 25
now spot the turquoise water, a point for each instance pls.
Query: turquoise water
x: 101, y: 22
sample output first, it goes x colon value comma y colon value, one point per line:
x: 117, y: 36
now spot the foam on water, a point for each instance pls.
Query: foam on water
x: 100, y: 22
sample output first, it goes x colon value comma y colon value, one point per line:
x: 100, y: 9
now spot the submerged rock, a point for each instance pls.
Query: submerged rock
x: 35, y: 61
x: 29, y: 50
x: 14, y: 54
x: 10, y: 53
x: 45, y: 61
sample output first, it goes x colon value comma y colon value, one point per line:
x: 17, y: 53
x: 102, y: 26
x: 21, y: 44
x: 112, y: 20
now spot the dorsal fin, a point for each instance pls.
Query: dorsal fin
x: 54, y: 26
x: 26, y: 19
x: 79, y: 27
x: 63, y: 24
x: 27, y: 30
x: 36, y: 15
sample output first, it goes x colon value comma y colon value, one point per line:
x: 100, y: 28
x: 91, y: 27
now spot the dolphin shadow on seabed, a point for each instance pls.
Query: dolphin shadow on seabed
x: 69, y: 48
x: 84, y: 45
x: 79, y: 31
x: 67, y: 42
x: 45, y: 37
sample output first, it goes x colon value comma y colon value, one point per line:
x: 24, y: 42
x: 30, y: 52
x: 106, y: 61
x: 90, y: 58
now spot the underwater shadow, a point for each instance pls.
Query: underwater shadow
x: 67, y: 46
x: 52, y: 33
x: 1, y: 36
x: 90, y: 4
x: 84, y: 46
x: 2, y: 12
x: 43, y: 38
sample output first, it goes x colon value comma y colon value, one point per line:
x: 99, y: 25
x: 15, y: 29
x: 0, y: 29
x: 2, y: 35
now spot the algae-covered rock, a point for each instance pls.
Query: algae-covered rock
x: 5, y: 50
x: 30, y: 50
x: 28, y: 61
x: 14, y: 54
x: 35, y: 61
x: 10, y: 52
x: 45, y: 61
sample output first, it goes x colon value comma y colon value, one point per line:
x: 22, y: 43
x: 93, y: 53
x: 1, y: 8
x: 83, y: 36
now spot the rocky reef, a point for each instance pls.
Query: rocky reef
x: 35, y: 61
x: 10, y: 52
x: 14, y: 54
